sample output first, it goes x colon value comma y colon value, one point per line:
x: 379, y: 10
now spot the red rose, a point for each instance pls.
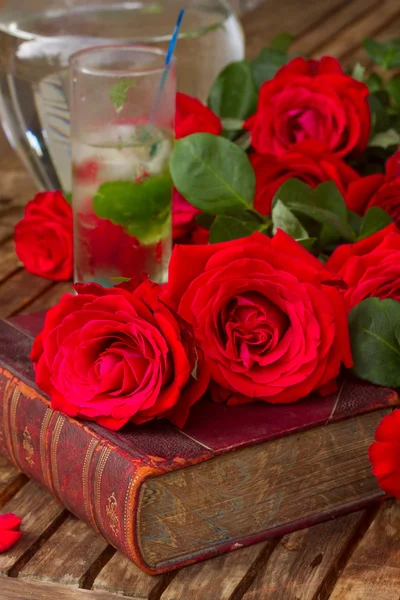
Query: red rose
x: 311, y: 100
x: 194, y: 117
x: 267, y: 315
x: 114, y: 355
x: 370, y: 267
x: 310, y: 161
x: 43, y: 238
x: 185, y: 230
x: 378, y: 190
x: 384, y: 454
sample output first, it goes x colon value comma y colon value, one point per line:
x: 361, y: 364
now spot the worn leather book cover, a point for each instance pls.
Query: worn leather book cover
x: 168, y: 497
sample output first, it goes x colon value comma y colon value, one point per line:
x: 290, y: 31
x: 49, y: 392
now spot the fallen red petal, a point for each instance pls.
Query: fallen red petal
x: 9, y: 522
x: 8, y: 539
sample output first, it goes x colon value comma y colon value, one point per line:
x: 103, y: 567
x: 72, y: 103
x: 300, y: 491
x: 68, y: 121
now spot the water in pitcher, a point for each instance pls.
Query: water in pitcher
x: 34, y: 53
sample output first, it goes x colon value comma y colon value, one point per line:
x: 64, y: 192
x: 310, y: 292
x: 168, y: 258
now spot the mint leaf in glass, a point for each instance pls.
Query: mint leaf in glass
x: 142, y: 208
x: 119, y: 93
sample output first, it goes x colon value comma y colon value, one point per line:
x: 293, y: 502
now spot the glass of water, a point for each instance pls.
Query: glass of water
x: 122, y: 131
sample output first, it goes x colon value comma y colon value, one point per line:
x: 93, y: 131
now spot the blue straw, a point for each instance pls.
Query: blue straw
x: 168, y: 58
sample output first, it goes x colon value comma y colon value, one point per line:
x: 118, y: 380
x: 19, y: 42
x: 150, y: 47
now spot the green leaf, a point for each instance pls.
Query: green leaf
x: 385, y: 139
x: 266, y: 65
x: 282, y: 42
x: 374, y: 83
x: 213, y: 174
x: 385, y: 54
x: 234, y: 94
x: 307, y: 243
x: 227, y: 228
x: 354, y: 220
x: 374, y: 220
x: 327, y: 195
x: 204, y: 220
x: 393, y: 87
x: 379, y: 117
x: 232, y: 124
x: 119, y: 93
x: 283, y: 218
x: 143, y: 209
x: 376, y: 352
x: 325, y: 217
x: 358, y: 72
x: 117, y: 280
x: 68, y: 197
x: 294, y: 190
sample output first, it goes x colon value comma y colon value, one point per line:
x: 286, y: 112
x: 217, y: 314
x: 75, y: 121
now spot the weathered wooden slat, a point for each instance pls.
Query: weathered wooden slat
x: 13, y: 589
x: 11, y: 480
x: 19, y: 290
x: 293, y: 16
x: 121, y: 576
x: 374, y: 569
x: 350, y: 38
x: 40, y: 516
x: 349, y: 13
x: 49, y: 298
x: 7, y: 473
x: 15, y: 183
x: 225, y: 577
x: 5, y: 233
x: 8, y: 220
x: 303, y: 560
x: 9, y: 262
x: 67, y: 557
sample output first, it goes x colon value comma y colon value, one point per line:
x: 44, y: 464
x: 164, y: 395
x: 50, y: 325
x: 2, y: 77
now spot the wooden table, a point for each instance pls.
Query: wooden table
x: 356, y: 557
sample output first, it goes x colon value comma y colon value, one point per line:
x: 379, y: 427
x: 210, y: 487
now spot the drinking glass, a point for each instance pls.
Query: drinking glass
x: 122, y: 130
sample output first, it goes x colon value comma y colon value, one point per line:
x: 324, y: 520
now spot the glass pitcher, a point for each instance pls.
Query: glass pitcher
x: 38, y: 37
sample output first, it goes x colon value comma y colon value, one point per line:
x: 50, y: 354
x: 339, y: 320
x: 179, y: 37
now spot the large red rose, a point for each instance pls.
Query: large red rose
x: 267, y: 314
x: 311, y: 100
x: 384, y: 454
x: 310, y: 161
x: 192, y: 116
x: 114, y: 355
x: 43, y: 238
x: 370, y: 267
x: 378, y: 190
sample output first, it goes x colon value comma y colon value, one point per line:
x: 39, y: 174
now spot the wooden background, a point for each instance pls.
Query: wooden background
x: 356, y: 557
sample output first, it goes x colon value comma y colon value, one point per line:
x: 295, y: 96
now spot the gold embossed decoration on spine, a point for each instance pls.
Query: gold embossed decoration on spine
x: 111, y: 511
x: 28, y: 447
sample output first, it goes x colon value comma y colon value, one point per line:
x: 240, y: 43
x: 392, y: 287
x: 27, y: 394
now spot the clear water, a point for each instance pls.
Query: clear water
x: 106, y: 252
x: 34, y: 52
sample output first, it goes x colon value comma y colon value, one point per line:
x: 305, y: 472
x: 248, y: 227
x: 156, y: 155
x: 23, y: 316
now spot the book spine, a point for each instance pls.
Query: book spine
x: 93, y: 479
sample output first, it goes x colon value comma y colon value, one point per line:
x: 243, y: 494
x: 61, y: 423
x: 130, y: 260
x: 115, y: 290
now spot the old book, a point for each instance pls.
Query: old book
x: 233, y: 476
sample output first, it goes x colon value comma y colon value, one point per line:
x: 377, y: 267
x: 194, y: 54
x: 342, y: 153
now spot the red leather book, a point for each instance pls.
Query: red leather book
x: 167, y: 497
